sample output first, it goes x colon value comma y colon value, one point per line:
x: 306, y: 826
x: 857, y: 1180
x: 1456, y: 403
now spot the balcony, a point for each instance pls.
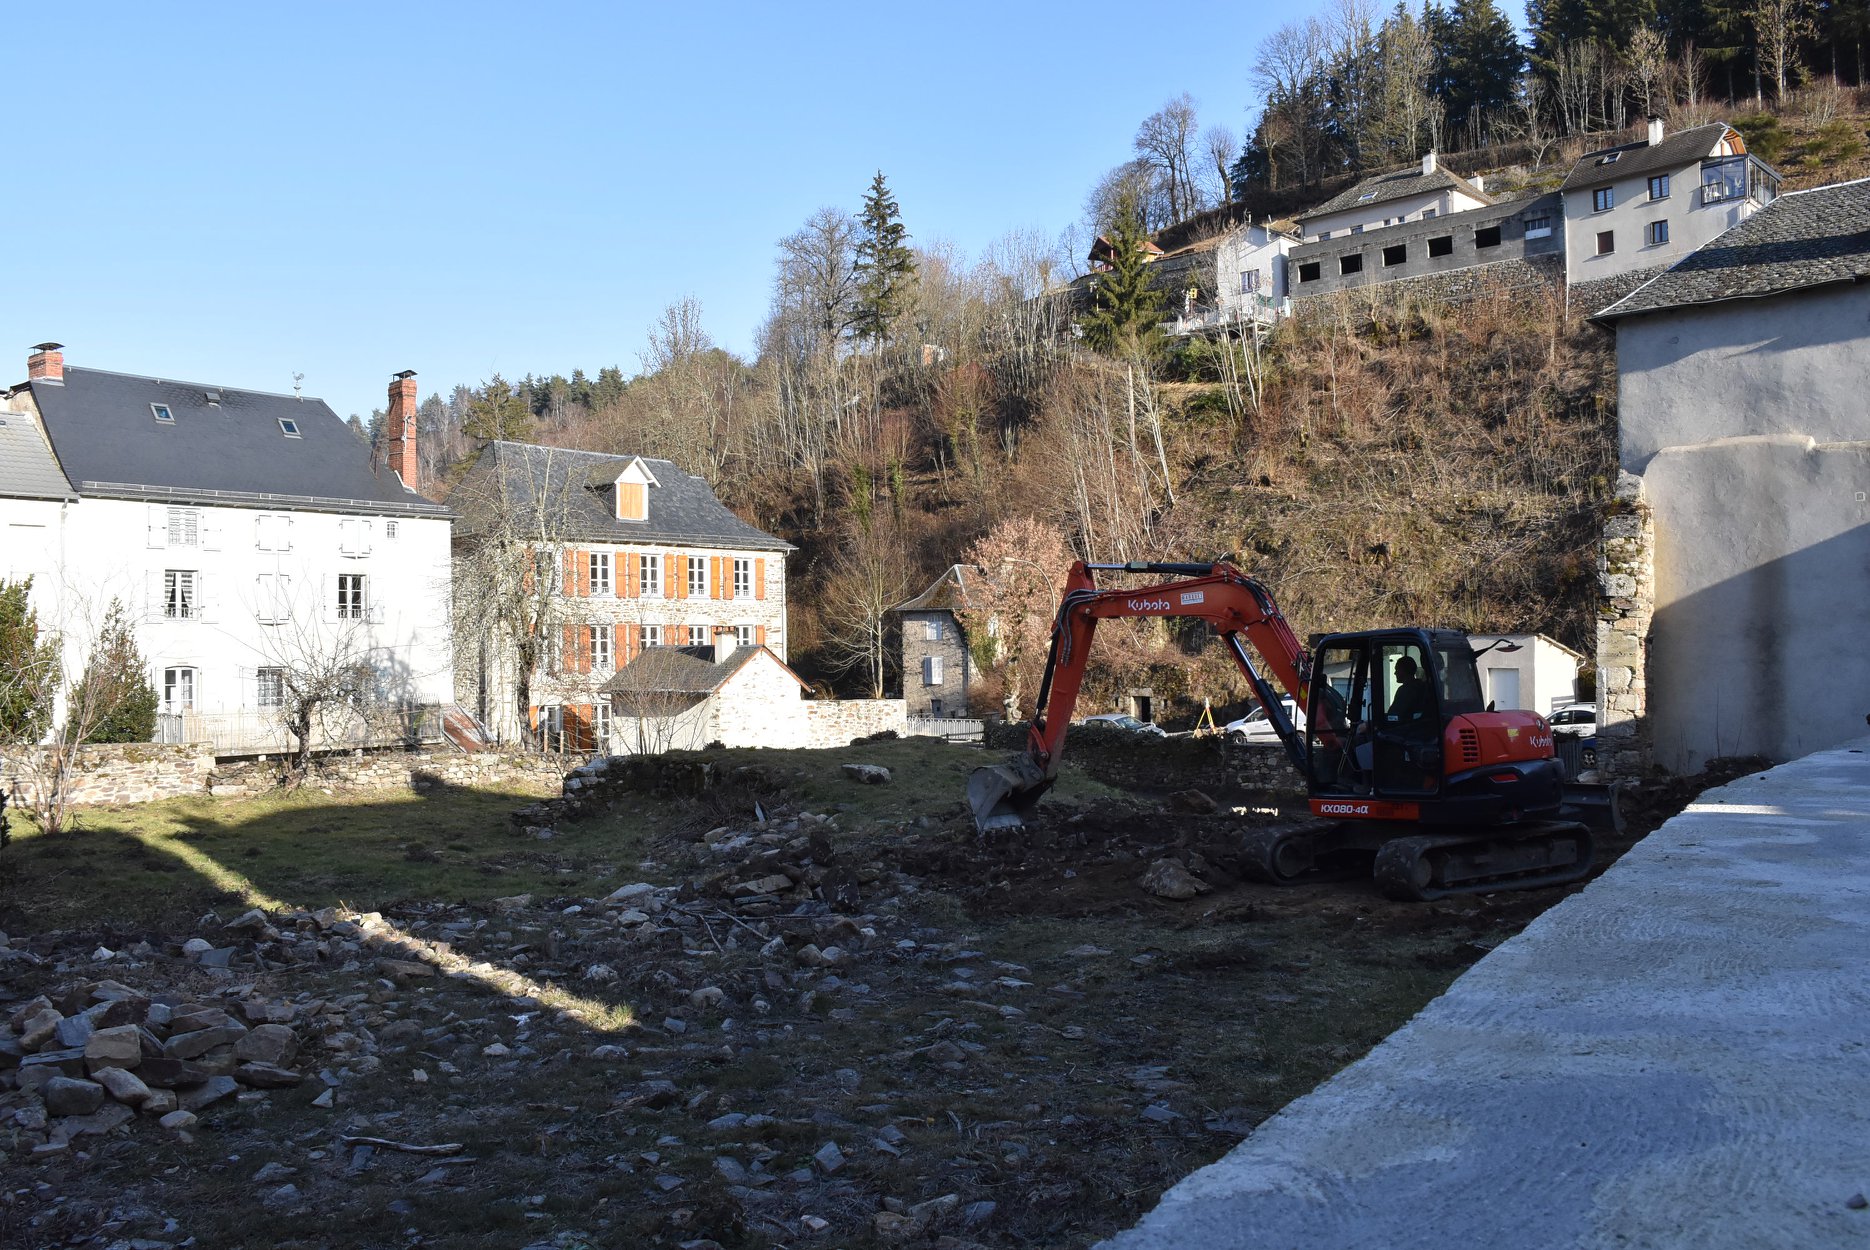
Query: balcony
x: 1731, y: 179
x: 256, y: 731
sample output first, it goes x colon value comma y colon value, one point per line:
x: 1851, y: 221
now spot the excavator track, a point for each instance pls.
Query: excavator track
x: 1426, y: 867
x: 1308, y: 853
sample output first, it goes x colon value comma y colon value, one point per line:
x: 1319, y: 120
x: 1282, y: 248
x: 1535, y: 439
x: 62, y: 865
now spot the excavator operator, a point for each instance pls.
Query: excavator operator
x: 1411, y: 700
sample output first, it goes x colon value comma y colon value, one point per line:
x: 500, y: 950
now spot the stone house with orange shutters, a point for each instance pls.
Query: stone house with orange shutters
x: 572, y: 563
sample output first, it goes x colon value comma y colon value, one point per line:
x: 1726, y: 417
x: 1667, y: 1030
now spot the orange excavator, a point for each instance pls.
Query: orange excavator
x: 1402, y: 758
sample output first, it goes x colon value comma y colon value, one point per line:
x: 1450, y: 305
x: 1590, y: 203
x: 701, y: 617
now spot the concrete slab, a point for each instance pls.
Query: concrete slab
x: 1676, y: 1056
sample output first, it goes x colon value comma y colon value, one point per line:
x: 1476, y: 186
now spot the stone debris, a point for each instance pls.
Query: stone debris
x: 867, y: 774
x: 1170, y: 878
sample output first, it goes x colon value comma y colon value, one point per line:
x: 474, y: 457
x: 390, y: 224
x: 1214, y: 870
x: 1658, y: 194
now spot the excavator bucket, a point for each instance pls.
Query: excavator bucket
x: 1004, y: 796
x: 1597, y: 807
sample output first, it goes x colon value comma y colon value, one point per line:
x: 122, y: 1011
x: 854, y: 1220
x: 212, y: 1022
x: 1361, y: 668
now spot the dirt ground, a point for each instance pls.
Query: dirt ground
x: 791, y: 1033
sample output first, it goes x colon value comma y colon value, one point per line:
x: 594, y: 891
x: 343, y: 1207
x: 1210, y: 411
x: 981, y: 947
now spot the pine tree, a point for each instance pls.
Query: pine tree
x: 1123, y: 313
x: 885, y: 267
x: 499, y: 413
x: 29, y: 667
x: 115, y: 691
x: 1483, y: 60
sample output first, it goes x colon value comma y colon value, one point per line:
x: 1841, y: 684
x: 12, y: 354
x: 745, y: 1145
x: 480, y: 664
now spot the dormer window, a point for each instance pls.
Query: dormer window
x: 631, y: 490
x: 289, y: 427
x: 161, y: 413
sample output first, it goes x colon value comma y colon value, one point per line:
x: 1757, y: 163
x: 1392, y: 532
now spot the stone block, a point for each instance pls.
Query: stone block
x: 125, y: 1087
x: 269, y: 1043
x: 65, y: 1095
x: 118, y: 1047
x: 209, y: 1091
x: 201, y: 1041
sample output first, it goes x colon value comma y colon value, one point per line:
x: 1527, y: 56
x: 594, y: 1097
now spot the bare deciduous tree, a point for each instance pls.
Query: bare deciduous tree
x: 1166, y: 144
x: 1022, y: 563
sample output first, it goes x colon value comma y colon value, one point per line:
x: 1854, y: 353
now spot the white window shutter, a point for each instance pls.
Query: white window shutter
x: 210, y: 535
x: 204, y: 598
x: 286, y: 523
x: 158, y: 527
x: 935, y: 665
x: 152, y: 595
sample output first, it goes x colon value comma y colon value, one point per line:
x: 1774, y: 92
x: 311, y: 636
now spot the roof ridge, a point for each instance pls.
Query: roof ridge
x: 580, y: 451
x: 213, y: 386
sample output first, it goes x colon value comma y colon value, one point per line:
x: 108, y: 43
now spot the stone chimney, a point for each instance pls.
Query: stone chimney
x: 724, y: 644
x: 1428, y: 164
x: 1479, y: 181
x: 1655, y: 130
x: 400, y: 426
x: 46, y: 364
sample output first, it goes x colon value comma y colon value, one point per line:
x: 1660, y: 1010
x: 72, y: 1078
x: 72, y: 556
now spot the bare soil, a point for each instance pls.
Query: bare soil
x: 1003, y: 1043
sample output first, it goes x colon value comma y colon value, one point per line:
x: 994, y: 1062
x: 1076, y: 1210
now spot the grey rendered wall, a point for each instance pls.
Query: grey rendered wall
x: 1762, y: 598
x: 1797, y: 364
x: 1692, y: 222
x: 1414, y: 236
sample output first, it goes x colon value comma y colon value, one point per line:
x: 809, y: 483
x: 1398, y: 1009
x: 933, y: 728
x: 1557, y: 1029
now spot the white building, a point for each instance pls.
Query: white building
x: 1250, y: 271
x: 1643, y: 206
x: 246, y: 534
x: 1536, y: 674
x: 1412, y: 194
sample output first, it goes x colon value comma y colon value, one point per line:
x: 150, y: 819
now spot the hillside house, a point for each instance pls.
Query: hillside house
x: 1734, y: 567
x: 1635, y: 209
x: 937, y: 669
x: 246, y: 534
x: 1391, y: 199
x: 574, y: 563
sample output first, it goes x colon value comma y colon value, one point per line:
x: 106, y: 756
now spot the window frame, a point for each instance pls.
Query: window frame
x: 598, y: 642
x: 173, y: 678
x: 1395, y: 254
x: 1445, y: 242
x: 932, y: 629
x: 163, y: 414
x: 1350, y: 263
x: 1537, y: 227
x: 648, y: 575
x: 358, y: 592
x: 743, y: 577
x: 744, y: 636
x: 1656, y: 180
x: 190, y: 522
x: 181, y: 599
x: 1656, y: 233
x: 290, y: 428
x: 1310, y: 271
x: 697, y: 577
x: 1603, y: 199
x: 652, y: 636
x: 599, y: 567
x: 1606, y: 243
x: 270, y: 682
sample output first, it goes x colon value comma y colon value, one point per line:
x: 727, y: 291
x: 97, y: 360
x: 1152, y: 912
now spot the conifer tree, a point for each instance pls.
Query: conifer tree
x: 1123, y: 314
x: 885, y: 267
x: 499, y: 413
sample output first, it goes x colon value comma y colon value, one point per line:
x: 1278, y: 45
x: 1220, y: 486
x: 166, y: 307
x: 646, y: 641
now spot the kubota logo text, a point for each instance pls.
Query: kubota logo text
x: 1148, y: 605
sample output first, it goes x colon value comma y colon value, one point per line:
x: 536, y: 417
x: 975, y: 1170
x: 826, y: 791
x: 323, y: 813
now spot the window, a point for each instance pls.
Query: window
x: 184, y: 527
x: 1606, y: 242
x: 1603, y: 199
x: 649, y: 576
x: 1352, y: 262
x: 697, y: 577
x: 600, y: 725
x: 1538, y: 227
x: 180, y: 602
x: 1308, y: 271
x: 652, y: 635
x: 934, y: 707
x: 178, y: 689
x: 272, y: 688
x: 389, y: 529
x: 932, y: 630
x: 1659, y: 187
x: 1656, y: 233
x: 743, y: 578
x: 551, y: 724
x: 272, y: 533
x: 1323, y: 235
x: 598, y: 642
x: 352, y: 603
x: 273, y: 598
x: 1486, y: 236
x: 1357, y: 229
x: 1443, y: 244
x: 743, y: 635
x: 289, y: 427
x: 1395, y: 254
x: 1249, y: 281
x: 700, y: 635
x: 931, y: 670
x: 161, y: 413
x: 1430, y: 212
x: 1366, y: 197
x: 600, y: 572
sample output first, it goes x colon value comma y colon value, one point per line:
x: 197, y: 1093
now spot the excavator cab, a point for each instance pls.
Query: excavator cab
x: 1381, y: 702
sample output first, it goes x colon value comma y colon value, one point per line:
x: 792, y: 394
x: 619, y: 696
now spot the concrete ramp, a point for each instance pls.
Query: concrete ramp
x: 1677, y: 1056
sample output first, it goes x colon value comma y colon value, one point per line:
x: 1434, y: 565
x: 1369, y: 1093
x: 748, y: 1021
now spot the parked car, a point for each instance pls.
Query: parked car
x: 1255, y: 727
x: 1575, y: 718
x: 1122, y: 721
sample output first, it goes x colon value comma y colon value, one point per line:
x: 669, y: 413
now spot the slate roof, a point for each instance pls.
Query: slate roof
x: 525, y: 478
x: 677, y: 678
x: 103, y: 431
x: 947, y: 594
x: 28, y: 470
x: 1802, y: 239
x: 1395, y: 186
x: 1636, y: 159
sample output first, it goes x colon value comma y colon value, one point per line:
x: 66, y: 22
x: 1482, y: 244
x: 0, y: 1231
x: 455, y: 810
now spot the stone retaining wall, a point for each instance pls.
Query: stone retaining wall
x: 118, y: 774
x: 835, y: 722
x: 1534, y: 275
x: 398, y: 770
x: 1627, y: 578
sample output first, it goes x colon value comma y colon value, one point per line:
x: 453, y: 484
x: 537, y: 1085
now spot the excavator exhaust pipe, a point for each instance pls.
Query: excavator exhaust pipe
x: 1005, y: 796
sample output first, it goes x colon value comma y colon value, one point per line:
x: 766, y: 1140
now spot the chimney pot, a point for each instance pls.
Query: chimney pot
x: 400, y: 425
x: 1655, y: 130
x: 1428, y: 163
x: 46, y: 364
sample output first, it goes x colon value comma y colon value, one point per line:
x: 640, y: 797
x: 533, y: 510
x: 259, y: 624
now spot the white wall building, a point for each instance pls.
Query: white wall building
x: 1538, y: 675
x: 1411, y: 194
x: 1250, y: 272
x: 246, y: 534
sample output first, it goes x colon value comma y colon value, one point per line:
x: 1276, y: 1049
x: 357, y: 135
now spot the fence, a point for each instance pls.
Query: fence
x: 251, y: 732
x: 952, y: 728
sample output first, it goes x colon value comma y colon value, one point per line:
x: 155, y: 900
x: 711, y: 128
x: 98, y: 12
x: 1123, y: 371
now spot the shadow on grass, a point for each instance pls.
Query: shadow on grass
x: 155, y: 870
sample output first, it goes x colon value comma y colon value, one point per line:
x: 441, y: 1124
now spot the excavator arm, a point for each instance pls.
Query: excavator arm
x: 1235, y: 606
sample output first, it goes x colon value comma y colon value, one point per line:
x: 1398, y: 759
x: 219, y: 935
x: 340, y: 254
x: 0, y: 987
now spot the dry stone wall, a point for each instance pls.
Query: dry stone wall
x: 413, y: 770
x: 117, y: 774
x: 835, y: 722
x: 1627, y: 578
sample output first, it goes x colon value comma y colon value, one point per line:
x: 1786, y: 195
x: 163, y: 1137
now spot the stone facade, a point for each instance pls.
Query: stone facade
x: 1587, y: 298
x: 1626, y: 573
x: 937, y: 669
x: 836, y: 722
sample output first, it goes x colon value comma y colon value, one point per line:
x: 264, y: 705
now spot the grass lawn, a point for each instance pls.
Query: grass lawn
x: 163, y: 864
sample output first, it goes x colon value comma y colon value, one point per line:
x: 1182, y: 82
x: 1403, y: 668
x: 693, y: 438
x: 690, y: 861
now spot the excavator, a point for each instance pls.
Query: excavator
x: 1403, y: 759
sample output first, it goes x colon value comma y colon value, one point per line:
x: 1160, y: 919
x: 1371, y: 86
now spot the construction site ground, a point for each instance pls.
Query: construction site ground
x: 920, y: 1038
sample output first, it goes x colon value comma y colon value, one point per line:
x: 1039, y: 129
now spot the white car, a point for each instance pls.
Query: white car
x: 1119, y: 720
x: 1254, y: 727
x: 1575, y: 718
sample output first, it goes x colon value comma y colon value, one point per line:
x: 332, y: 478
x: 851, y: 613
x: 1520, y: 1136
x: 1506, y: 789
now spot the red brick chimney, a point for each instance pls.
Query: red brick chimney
x: 47, y: 363
x: 400, y: 425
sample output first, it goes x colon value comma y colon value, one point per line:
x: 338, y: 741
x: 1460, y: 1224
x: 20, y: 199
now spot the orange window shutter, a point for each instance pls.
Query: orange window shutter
x: 532, y: 717
x: 622, y: 644
x: 721, y: 569
x: 759, y: 635
x: 584, y: 649
x: 568, y: 648
x: 671, y: 584
x: 584, y: 575
x: 569, y: 572
x: 632, y: 573
x: 634, y: 643
x: 759, y: 578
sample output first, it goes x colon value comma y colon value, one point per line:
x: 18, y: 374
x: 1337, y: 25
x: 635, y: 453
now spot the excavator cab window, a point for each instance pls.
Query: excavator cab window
x: 1404, y: 740
x: 1340, y: 697
x: 1460, y: 678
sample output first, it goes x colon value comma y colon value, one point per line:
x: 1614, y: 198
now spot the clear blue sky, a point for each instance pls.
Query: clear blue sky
x: 233, y: 193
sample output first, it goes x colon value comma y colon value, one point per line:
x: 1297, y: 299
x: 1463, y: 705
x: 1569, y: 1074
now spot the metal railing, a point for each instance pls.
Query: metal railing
x: 953, y: 728
x: 262, y: 732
